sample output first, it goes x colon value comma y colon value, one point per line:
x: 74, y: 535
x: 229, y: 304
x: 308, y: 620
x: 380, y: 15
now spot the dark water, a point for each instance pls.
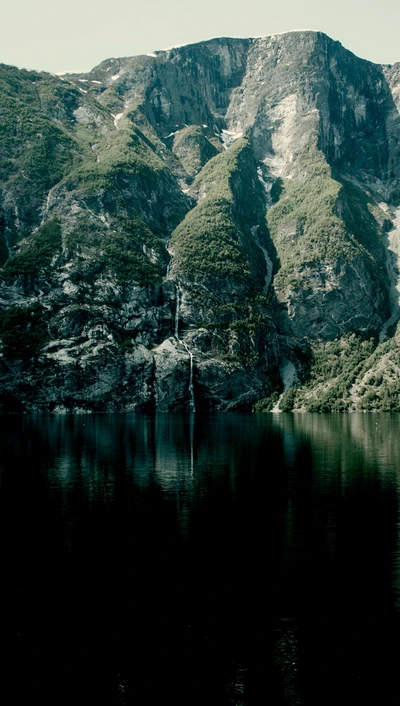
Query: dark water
x: 218, y: 560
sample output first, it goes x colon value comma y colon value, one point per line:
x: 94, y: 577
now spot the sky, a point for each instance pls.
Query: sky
x: 77, y: 34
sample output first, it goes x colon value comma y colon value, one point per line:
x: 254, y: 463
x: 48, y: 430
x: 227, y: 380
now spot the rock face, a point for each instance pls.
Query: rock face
x: 177, y: 229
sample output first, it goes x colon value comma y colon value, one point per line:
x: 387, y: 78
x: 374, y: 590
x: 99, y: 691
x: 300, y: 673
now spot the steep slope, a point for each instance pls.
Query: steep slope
x: 222, y: 271
x: 187, y: 228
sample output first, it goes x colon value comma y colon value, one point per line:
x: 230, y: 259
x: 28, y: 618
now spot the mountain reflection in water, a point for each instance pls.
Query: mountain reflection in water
x: 224, y: 559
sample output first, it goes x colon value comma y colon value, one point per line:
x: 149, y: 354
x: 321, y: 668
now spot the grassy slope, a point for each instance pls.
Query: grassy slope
x: 318, y: 219
x: 321, y: 220
x: 44, y: 142
x: 218, y: 257
x: 37, y: 147
x: 208, y: 243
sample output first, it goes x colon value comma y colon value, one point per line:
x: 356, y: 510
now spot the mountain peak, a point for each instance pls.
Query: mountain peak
x: 205, y: 227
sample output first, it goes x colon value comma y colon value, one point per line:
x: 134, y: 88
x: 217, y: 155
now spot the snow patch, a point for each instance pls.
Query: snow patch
x: 99, y: 82
x: 115, y: 77
x: 152, y: 54
x: 289, y: 377
x: 117, y: 118
x: 280, y: 34
x: 229, y: 136
x: 287, y: 138
x: 71, y: 73
x: 176, y: 46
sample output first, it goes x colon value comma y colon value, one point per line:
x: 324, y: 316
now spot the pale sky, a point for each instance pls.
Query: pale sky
x: 77, y: 34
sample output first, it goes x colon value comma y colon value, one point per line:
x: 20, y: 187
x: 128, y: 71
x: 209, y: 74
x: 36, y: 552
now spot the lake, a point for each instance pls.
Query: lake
x: 220, y: 559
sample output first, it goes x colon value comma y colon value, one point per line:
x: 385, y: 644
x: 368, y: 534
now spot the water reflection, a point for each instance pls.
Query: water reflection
x: 227, y: 559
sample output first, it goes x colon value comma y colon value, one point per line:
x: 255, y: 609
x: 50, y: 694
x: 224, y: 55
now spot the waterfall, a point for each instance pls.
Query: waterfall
x: 177, y: 312
x: 191, y: 389
x: 189, y: 352
x: 46, y: 206
x: 268, y: 261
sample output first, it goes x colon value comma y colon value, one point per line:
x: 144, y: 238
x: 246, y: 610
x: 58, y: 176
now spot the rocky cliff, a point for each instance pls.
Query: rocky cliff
x: 215, y: 226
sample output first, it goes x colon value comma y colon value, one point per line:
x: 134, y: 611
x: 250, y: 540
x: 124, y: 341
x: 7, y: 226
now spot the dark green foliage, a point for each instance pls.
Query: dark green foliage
x: 334, y: 368
x: 3, y: 244
x: 288, y: 399
x: 340, y: 357
x: 267, y: 403
x: 276, y: 190
x: 122, y: 152
x: 23, y: 331
x: 37, y: 147
x: 318, y: 219
x: 352, y: 373
x: 362, y: 216
x: 126, y: 346
x: 210, y: 243
x: 37, y: 254
x: 207, y: 244
x: 120, y: 253
x: 305, y: 227
x: 195, y: 146
x: 286, y: 404
x: 384, y: 399
x: 380, y: 390
x: 130, y: 266
x: 3, y: 250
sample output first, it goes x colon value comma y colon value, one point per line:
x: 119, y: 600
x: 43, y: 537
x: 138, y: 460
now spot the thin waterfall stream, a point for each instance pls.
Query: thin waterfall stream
x: 186, y: 347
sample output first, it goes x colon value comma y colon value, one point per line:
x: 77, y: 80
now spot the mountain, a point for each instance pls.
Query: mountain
x: 215, y: 226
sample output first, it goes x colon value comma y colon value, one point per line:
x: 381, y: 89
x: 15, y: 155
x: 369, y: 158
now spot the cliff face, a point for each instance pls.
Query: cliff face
x: 208, y: 227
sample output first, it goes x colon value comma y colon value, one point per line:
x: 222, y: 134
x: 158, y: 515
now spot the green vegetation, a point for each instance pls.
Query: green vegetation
x: 126, y: 265
x: 23, y: 331
x: 349, y: 373
x: 195, y: 146
x: 3, y: 250
x: 207, y: 242
x: 38, y: 252
x: 334, y: 368
x: 267, y: 403
x: 305, y: 228
x: 122, y: 152
x: 316, y: 219
x: 286, y: 404
x: 288, y: 399
x: 380, y: 379
x: 120, y: 253
x: 129, y: 265
x: 38, y: 146
x: 131, y: 178
x: 3, y: 244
